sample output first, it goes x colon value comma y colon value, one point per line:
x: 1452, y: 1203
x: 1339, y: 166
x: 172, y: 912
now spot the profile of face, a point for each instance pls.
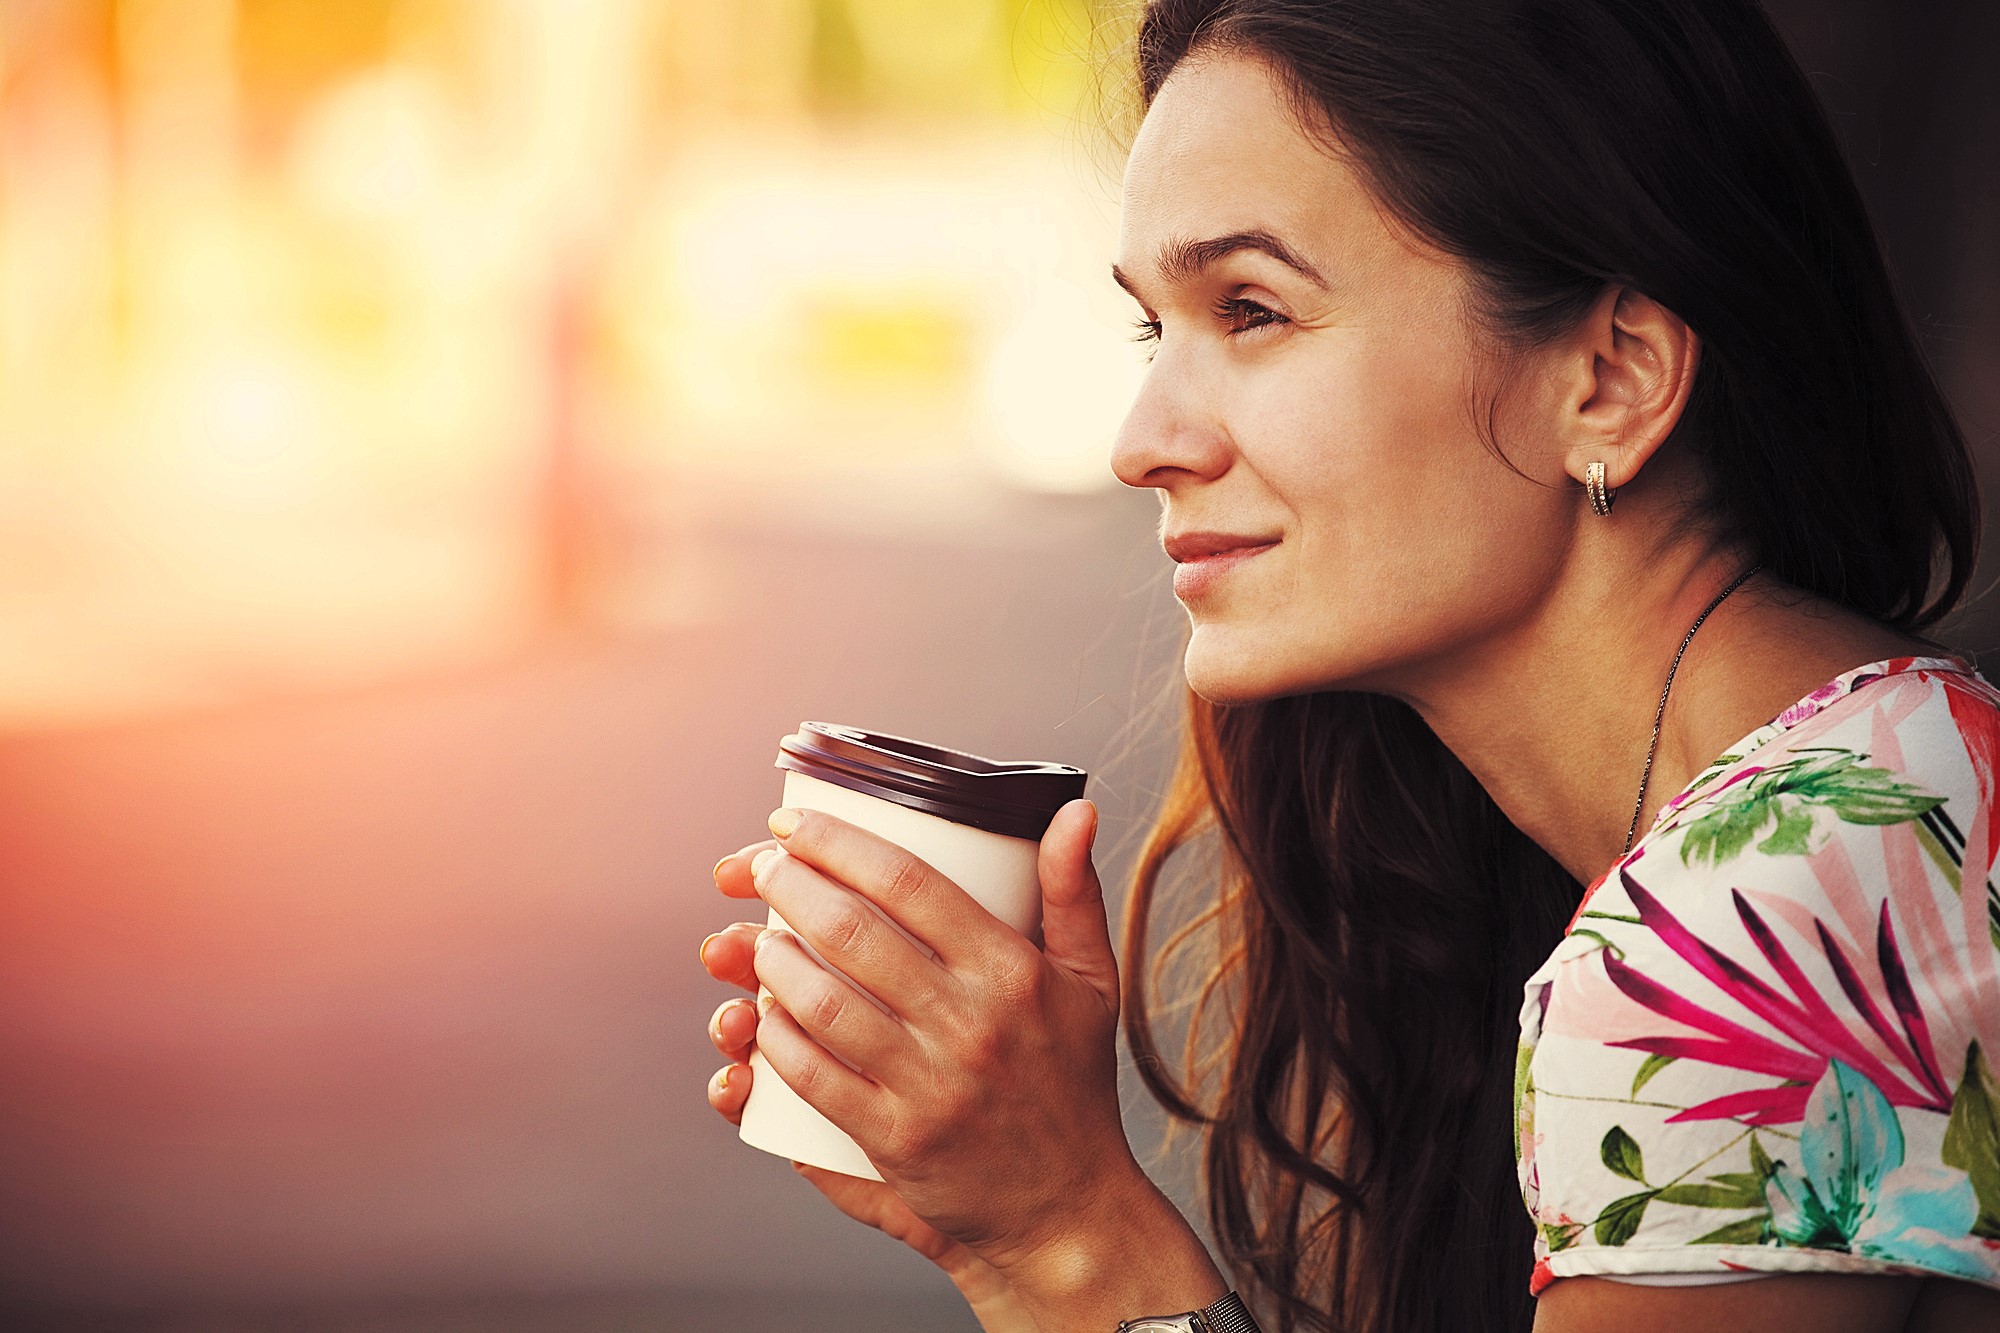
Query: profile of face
x: 1319, y: 384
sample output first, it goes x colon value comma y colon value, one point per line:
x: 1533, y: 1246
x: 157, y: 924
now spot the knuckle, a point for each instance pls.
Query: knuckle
x: 845, y: 927
x: 808, y: 1077
x: 1019, y: 977
x: 985, y: 1051
x: 905, y: 879
x: 906, y: 1138
x: 827, y: 1008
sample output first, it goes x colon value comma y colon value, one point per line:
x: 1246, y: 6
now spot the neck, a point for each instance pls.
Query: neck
x: 1554, y: 716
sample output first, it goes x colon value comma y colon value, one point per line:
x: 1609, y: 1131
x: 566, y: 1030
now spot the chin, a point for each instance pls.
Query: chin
x: 1227, y: 670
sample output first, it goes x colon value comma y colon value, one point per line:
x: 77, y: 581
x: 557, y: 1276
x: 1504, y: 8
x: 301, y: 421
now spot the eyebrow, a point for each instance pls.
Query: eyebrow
x: 1182, y: 261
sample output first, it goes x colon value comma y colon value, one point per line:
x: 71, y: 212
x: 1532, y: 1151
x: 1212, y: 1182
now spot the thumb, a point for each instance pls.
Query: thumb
x: 1076, y: 930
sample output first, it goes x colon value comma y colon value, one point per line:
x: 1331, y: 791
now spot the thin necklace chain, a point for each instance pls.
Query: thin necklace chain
x: 1661, y: 711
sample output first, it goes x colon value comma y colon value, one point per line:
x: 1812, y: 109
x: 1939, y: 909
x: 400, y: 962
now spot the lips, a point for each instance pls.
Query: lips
x: 1204, y: 559
x: 1185, y: 546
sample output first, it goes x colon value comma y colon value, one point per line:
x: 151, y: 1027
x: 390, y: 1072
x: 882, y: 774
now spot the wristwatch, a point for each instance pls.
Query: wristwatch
x: 1225, y: 1316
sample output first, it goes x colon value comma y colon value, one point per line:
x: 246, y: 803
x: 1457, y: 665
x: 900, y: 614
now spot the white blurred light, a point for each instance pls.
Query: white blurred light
x: 250, y: 441
x: 1055, y: 390
x: 993, y: 243
x: 373, y: 148
x: 250, y: 409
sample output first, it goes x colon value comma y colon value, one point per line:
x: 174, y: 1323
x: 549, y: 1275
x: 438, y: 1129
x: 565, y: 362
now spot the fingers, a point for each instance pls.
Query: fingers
x: 1076, y: 930
x: 860, y: 1199
x: 848, y: 1099
x: 727, y: 954
x: 836, y: 1017
x: 728, y: 1090
x: 733, y: 1028
x: 927, y: 905
x: 851, y: 935
x: 875, y: 1204
x: 879, y: 1206
x: 732, y: 872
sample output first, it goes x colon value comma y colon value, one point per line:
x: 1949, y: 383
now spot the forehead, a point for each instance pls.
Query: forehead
x: 1220, y: 151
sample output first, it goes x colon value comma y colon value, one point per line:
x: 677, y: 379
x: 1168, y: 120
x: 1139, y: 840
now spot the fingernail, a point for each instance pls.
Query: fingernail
x: 721, y: 1079
x: 760, y: 866
x: 764, y: 1003
x: 704, y: 948
x: 716, y: 874
x: 784, y: 822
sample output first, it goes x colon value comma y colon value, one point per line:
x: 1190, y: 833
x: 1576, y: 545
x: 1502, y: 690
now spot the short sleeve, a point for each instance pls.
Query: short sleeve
x: 1768, y: 1041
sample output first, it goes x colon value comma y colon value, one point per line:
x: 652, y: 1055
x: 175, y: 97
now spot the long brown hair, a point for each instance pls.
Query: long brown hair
x: 1376, y: 914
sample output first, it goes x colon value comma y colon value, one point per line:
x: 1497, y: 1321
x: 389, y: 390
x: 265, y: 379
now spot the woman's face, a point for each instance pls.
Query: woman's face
x: 1330, y: 413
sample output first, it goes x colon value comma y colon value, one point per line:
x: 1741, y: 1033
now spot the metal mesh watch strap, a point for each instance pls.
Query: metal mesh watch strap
x: 1228, y: 1315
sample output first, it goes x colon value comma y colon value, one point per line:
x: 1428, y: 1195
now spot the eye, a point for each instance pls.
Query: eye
x: 1148, y: 332
x: 1233, y: 309
x: 1239, y: 315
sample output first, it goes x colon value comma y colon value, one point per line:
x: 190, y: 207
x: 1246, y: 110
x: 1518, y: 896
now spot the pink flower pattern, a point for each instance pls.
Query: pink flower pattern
x: 1808, y: 928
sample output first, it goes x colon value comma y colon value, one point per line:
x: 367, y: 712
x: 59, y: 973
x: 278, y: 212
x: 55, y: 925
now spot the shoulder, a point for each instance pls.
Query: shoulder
x: 1900, y: 716
x: 1769, y: 1040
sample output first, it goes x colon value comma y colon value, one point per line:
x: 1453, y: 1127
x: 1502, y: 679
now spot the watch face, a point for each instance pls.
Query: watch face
x: 1176, y: 1325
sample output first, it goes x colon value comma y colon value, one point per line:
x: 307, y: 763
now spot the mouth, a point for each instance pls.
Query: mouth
x: 1190, y: 547
x: 1201, y: 559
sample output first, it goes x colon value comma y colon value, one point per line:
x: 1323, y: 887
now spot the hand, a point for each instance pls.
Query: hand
x: 727, y: 957
x: 992, y: 1298
x: 987, y: 1094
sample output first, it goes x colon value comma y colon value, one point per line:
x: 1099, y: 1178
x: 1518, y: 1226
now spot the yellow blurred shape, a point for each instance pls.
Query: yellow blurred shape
x: 313, y: 311
x: 925, y: 44
x: 861, y: 341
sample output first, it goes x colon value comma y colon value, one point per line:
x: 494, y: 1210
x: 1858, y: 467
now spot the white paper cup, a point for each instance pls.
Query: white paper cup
x: 924, y: 799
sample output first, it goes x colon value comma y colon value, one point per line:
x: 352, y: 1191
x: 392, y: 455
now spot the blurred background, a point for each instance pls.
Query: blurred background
x: 444, y: 444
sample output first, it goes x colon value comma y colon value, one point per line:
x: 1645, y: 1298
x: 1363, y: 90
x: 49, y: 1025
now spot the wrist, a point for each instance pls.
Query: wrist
x: 979, y: 1282
x: 1130, y: 1254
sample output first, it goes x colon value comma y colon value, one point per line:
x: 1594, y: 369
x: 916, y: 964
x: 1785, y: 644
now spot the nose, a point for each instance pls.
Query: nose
x: 1170, y: 433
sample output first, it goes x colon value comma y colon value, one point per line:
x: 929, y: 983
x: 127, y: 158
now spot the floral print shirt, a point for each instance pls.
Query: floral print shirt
x: 1770, y: 1039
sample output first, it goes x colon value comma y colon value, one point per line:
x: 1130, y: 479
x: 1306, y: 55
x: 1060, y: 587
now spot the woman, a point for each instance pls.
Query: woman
x: 1559, y: 499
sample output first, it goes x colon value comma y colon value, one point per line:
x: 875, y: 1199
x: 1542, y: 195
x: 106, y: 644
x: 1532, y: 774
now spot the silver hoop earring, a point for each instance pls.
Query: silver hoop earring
x: 1593, y: 483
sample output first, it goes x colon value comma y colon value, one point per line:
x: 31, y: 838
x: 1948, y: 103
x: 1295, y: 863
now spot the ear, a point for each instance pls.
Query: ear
x: 1632, y: 367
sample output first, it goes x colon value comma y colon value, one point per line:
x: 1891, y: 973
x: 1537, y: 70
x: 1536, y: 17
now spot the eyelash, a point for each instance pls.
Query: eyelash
x: 1228, y: 308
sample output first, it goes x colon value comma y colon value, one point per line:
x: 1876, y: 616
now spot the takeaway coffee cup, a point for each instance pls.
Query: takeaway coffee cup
x: 977, y: 821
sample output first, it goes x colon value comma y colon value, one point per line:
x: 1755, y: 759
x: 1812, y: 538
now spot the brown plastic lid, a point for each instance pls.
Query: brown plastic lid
x: 1017, y: 799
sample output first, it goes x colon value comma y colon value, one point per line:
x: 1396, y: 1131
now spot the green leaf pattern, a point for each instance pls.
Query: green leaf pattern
x: 1785, y: 798
x: 1868, y: 1172
x: 1621, y: 1153
x: 1737, y: 1190
x: 1654, y: 1064
x: 1972, y: 1140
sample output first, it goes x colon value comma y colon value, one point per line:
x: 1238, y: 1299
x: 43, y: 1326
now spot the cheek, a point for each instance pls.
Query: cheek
x: 1406, y: 522
x: 1376, y: 449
